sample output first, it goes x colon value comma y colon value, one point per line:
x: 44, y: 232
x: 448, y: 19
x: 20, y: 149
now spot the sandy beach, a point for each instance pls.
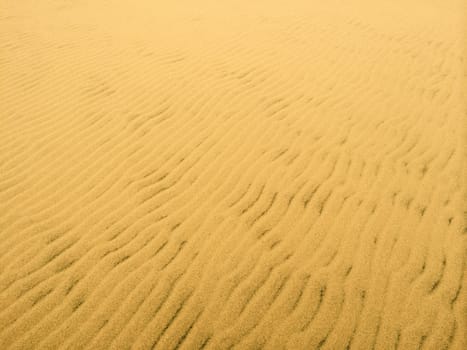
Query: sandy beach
x: 233, y: 174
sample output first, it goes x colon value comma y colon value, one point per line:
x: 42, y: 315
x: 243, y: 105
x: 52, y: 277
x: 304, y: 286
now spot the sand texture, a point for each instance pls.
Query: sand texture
x: 241, y: 174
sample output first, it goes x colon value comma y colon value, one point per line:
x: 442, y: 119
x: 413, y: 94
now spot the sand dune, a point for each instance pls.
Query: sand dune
x: 232, y: 174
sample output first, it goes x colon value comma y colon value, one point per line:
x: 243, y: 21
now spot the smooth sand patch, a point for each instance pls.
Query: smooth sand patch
x: 232, y: 174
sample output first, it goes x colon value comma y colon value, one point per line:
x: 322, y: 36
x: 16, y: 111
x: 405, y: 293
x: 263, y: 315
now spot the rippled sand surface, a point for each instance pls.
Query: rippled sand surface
x: 233, y: 174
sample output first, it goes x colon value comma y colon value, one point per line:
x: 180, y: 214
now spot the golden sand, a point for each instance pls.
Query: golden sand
x: 232, y: 174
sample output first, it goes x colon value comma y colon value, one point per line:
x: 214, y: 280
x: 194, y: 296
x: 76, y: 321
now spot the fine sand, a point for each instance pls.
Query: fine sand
x: 223, y: 174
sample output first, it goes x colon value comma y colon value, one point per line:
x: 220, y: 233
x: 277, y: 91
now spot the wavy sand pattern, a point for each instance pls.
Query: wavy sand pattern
x: 232, y: 174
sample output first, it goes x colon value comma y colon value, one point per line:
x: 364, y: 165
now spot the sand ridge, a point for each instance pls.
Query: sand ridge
x: 232, y: 174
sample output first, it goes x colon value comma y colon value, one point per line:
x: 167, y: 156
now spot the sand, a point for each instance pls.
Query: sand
x: 232, y: 174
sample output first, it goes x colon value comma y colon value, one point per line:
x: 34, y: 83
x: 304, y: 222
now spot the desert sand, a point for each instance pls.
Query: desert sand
x: 233, y: 174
